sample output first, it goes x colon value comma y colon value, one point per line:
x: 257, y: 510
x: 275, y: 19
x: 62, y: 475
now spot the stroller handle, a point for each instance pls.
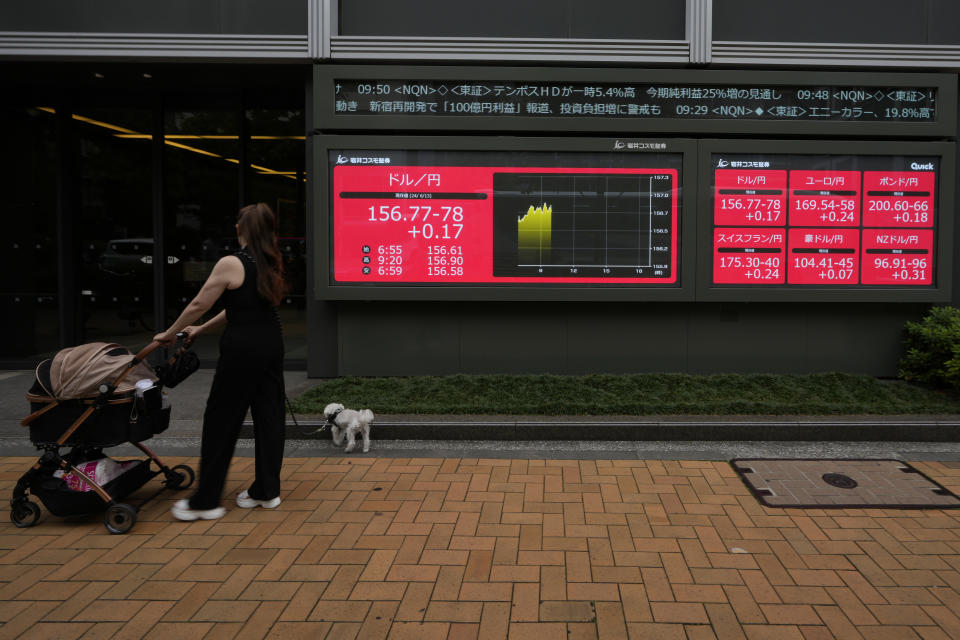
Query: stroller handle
x: 142, y: 355
x: 153, y: 346
x: 147, y: 350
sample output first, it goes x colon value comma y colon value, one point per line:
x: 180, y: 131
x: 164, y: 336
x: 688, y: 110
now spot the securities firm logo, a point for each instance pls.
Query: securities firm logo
x: 622, y: 145
x: 742, y: 164
x: 341, y: 159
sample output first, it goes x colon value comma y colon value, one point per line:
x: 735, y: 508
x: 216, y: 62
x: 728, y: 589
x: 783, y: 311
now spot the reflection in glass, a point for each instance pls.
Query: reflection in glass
x: 276, y: 156
x: 28, y: 248
x: 201, y: 190
x: 113, y: 231
x: 109, y: 188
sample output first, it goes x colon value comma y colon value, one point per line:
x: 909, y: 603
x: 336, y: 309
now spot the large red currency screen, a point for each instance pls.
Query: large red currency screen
x: 824, y: 220
x: 481, y: 218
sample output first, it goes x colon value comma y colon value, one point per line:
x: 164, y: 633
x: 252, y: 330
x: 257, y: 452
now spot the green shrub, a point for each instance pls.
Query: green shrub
x: 932, y: 349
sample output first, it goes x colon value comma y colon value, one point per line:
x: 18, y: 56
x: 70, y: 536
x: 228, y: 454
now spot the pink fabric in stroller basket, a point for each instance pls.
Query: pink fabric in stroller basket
x: 100, y: 471
x: 76, y: 372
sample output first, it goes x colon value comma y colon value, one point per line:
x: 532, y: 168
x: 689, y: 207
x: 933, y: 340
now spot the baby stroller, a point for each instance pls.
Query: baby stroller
x: 91, y: 397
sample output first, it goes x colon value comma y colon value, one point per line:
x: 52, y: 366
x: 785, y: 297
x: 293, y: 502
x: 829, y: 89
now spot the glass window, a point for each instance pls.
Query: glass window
x: 201, y: 200
x: 114, y: 230
x: 28, y: 258
x: 276, y: 155
x: 109, y: 186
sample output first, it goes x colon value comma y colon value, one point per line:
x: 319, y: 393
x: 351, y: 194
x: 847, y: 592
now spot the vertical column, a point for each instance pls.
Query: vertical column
x: 700, y: 30
x: 323, y: 352
x: 67, y: 202
x: 243, y: 164
x: 159, y: 237
x: 321, y: 20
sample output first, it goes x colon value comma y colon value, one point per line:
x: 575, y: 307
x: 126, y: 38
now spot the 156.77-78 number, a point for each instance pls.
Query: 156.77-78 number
x: 441, y: 223
x: 414, y: 213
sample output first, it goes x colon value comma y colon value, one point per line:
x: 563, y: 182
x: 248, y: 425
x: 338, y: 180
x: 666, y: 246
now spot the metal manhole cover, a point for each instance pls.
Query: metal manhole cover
x: 839, y: 480
x: 842, y: 483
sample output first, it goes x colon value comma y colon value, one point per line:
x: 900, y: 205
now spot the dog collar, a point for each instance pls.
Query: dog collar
x: 334, y: 416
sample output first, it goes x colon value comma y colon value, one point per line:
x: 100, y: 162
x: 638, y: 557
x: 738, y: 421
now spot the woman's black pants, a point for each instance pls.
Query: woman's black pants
x: 242, y: 381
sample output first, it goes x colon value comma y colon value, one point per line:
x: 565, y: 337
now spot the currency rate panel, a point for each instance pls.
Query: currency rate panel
x: 794, y: 221
x: 482, y: 218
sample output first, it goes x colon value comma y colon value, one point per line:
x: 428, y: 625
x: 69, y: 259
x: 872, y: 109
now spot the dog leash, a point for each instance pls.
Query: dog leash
x: 276, y: 314
x: 290, y: 409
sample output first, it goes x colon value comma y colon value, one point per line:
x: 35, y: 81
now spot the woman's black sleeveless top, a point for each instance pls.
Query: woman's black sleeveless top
x: 252, y: 322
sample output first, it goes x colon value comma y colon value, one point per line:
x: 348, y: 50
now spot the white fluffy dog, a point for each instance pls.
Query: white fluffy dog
x: 349, y: 422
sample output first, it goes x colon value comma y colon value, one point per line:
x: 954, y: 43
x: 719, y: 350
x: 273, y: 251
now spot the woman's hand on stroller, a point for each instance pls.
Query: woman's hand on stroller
x: 187, y: 334
x: 166, y: 338
x: 190, y: 333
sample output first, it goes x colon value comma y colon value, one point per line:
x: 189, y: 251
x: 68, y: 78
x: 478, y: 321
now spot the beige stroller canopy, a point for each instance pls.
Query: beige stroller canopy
x: 77, y: 372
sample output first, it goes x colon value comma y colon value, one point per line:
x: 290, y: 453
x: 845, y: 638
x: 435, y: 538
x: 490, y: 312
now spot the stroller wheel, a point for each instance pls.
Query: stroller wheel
x: 119, y: 517
x: 24, y: 514
x: 180, y: 477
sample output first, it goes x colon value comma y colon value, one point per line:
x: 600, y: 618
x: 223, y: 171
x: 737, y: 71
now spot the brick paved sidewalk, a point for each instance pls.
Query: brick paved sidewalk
x: 466, y: 548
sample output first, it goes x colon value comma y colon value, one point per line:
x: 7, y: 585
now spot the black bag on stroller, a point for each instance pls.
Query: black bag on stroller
x: 90, y: 397
x: 180, y: 366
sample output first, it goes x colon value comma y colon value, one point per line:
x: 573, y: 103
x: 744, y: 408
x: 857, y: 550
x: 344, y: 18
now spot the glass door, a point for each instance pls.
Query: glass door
x: 87, y: 186
x: 114, y: 229
x: 201, y: 201
x: 29, y: 302
x: 277, y: 176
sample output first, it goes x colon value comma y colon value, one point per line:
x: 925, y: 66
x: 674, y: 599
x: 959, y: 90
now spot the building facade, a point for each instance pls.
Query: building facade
x: 525, y: 187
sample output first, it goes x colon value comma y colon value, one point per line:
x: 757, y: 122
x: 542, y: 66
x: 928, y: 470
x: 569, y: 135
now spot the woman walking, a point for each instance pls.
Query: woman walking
x: 249, y: 372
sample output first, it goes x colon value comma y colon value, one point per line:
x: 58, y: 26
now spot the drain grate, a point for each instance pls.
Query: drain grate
x: 842, y: 483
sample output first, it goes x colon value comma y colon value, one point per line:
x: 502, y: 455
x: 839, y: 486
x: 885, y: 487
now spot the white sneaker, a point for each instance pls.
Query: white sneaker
x: 181, y: 511
x: 244, y: 501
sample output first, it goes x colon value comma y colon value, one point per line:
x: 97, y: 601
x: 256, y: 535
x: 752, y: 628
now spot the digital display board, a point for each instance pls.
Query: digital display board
x: 408, y: 217
x: 651, y: 100
x: 351, y: 97
x: 793, y: 221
